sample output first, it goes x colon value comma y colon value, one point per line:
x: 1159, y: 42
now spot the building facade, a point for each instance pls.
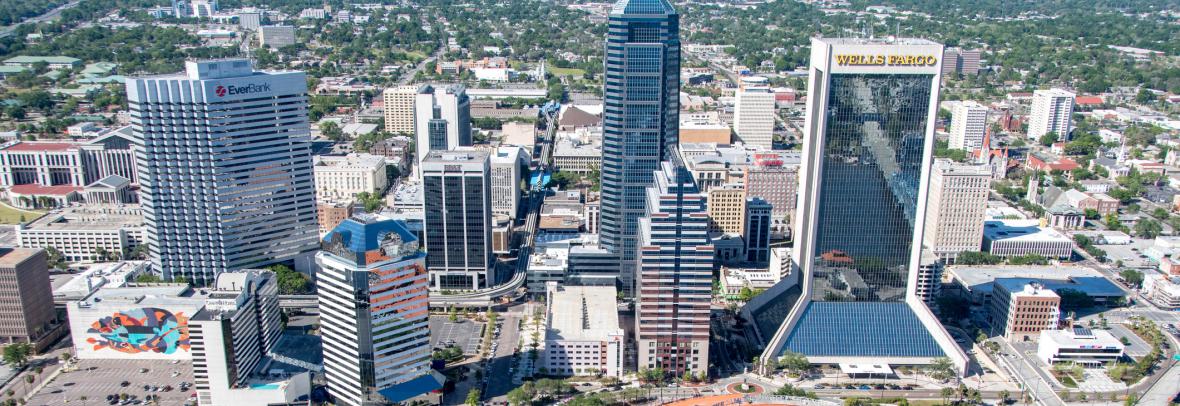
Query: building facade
x: 225, y: 169
x: 91, y: 233
x: 1019, y: 311
x: 506, y: 175
x: 28, y: 315
x: 957, y: 206
x: 757, y: 230
x: 343, y: 177
x: 869, y: 135
x: 399, y: 109
x: 374, y: 312
x: 458, y: 220
x: 442, y: 119
x: 582, y: 333
x: 675, y: 274
x: 968, y: 126
x: 640, y: 117
x: 1052, y: 111
x: 753, y: 116
x: 727, y: 208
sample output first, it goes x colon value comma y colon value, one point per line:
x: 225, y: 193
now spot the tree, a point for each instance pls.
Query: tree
x: 372, y: 202
x: 1048, y: 139
x: 332, y: 131
x: 1144, y: 96
x: 17, y: 353
x: 794, y: 362
x: 563, y: 179
x: 472, y: 398
x: 1148, y: 228
x: 1005, y: 396
x: 941, y: 369
x: 1112, y: 222
x: 54, y: 258
x: 291, y: 282
x: 522, y: 395
x: 1132, y: 277
x: 148, y: 278
x: 977, y: 258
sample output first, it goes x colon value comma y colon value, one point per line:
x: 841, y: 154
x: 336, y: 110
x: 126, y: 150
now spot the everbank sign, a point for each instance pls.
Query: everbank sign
x: 231, y: 90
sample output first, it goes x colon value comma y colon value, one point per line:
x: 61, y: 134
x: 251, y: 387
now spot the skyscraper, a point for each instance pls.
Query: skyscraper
x: 458, y: 228
x: 399, y: 109
x: 957, y: 206
x: 374, y: 310
x: 1051, y: 112
x: 968, y: 126
x: 675, y: 274
x: 640, y: 117
x: 442, y: 119
x: 869, y: 135
x: 753, y: 116
x: 27, y: 315
x: 225, y: 169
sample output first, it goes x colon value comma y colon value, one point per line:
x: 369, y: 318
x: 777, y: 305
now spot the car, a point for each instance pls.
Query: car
x: 124, y: 384
x: 587, y: 384
x: 879, y: 387
x: 143, y: 370
x: 908, y: 387
x: 864, y: 387
x: 820, y: 386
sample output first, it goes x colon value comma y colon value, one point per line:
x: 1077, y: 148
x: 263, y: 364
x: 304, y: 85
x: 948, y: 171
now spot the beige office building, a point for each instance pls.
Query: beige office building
x: 956, y: 207
x: 968, y: 126
x: 28, y: 316
x: 727, y: 208
x: 399, y: 109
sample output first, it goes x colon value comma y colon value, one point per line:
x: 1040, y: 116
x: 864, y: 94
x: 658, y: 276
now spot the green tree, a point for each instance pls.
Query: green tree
x: 372, y: 202
x: 1148, y: 228
x: 54, y: 258
x: 472, y: 398
x: 1112, y: 222
x: 941, y: 369
x: 17, y: 353
x: 1144, y: 96
x: 291, y: 282
x: 977, y: 258
x: 1048, y: 138
x: 795, y: 363
x: 522, y: 395
x: 148, y: 278
x: 1132, y: 277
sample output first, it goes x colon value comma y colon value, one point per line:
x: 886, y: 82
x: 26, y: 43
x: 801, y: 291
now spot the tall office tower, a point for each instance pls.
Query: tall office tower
x: 28, y: 315
x: 1051, y: 112
x: 753, y: 116
x: 757, y: 230
x: 374, y: 312
x: 956, y: 207
x: 232, y: 335
x: 506, y: 176
x: 962, y: 61
x: 458, y: 224
x: 399, y: 109
x: 968, y: 126
x: 675, y: 273
x: 640, y: 117
x: 225, y: 169
x: 448, y: 109
x: 869, y: 134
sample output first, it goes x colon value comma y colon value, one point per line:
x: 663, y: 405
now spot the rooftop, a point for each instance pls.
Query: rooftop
x: 31, y: 190
x: 583, y: 313
x: 10, y: 257
x: 980, y: 279
x: 23, y: 146
x: 96, y: 217
x: 1020, y: 230
x: 1078, y: 337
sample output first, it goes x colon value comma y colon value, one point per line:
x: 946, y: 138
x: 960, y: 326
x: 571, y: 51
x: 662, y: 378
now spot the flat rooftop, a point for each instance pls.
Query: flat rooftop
x: 584, y: 313
x: 1021, y: 230
x: 1081, y: 336
x: 89, y: 218
x: 877, y: 41
x: 163, y: 294
x: 10, y: 257
x: 980, y: 279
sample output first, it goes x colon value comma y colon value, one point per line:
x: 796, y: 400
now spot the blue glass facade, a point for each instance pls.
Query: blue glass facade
x: 640, y: 116
x: 861, y: 329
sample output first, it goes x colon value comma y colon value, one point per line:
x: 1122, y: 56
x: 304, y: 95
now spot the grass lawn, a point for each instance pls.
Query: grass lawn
x: 565, y: 71
x: 11, y: 215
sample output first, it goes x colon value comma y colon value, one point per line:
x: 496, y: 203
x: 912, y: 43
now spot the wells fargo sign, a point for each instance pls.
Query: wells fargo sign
x: 886, y: 60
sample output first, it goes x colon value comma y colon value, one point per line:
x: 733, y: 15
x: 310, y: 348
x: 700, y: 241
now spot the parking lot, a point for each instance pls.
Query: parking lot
x: 466, y: 334
x: 94, y: 380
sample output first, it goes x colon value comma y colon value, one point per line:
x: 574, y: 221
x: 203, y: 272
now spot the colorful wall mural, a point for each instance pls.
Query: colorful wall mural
x: 146, y: 329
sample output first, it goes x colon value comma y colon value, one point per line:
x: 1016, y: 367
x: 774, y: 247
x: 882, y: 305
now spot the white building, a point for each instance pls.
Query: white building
x: 276, y: 36
x: 753, y: 116
x: 734, y: 279
x: 149, y: 322
x: 579, y: 152
x: 1162, y: 289
x: 506, y: 176
x: 399, y: 109
x: 372, y: 287
x: 547, y: 265
x: 97, y: 276
x: 1009, y: 238
x: 968, y: 126
x: 956, y: 207
x: 442, y: 119
x: 1079, y: 345
x: 342, y: 177
x: 1052, y: 111
x: 232, y: 337
x: 582, y: 332
x: 86, y: 233
x: 242, y: 182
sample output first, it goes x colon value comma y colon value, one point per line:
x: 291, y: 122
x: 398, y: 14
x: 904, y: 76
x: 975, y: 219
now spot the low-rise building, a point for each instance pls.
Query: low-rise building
x: 27, y: 315
x: 86, y: 233
x: 1163, y: 290
x: 977, y: 282
x: 1010, y: 238
x: 582, y: 333
x: 733, y: 280
x: 135, y: 322
x: 1079, y: 345
x: 1020, y: 310
x: 547, y: 265
x: 276, y: 36
x: 342, y: 177
x: 580, y: 153
x: 330, y: 213
x: 703, y: 127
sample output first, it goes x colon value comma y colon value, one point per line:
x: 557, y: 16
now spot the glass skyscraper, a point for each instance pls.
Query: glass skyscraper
x: 870, y: 131
x: 640, y: 117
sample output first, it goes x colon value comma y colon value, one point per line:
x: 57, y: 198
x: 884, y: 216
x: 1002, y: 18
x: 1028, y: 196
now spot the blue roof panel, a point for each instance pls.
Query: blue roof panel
x: 363, y: 237
x: 411, y: 388
x: 861, y: 329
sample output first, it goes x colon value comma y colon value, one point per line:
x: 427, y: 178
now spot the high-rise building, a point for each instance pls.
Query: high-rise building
x: 276, y: 36
x: 225, y: 169
x: 956, y: 207
x: 399, y: 109
x: 203, y: 8
x: 374, y: 312
x: 869, y: 136
x: 250, y: 20
x: 640, y: 117
x: 776, y: 182
x: 1052, y: 111
x: 506, y: 176
x: 231, y: 337
x: 28, y: 315
x: 753, y: 116
x: 962, y: 61
x: 757, y: 230
x: 438, y: 112
x: 675, y: 274
x: 968, y: 126
x: 458, y: 224
x: 727, y: 208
